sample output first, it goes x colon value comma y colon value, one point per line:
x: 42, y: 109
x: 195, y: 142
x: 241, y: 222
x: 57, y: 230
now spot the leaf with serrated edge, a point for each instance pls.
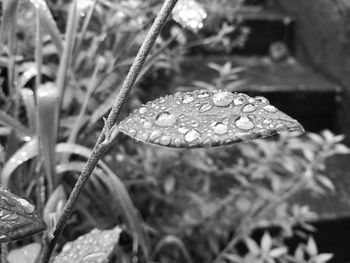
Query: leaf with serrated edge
x: 18, y: 218
x: 96, y: 246
x: 206, y: 118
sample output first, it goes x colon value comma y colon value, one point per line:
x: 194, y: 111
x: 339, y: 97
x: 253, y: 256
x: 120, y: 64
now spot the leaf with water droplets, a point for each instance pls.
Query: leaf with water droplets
x: 18, y: 218
x: 96, y: 246
x: 206, y: 118
x: 25, y: 254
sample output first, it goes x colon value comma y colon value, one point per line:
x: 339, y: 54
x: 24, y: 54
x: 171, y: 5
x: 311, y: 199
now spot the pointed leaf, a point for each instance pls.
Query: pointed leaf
x: 18, y: 218
x: 96, y: 246
x: 25, y: 254
x: 206, y: 118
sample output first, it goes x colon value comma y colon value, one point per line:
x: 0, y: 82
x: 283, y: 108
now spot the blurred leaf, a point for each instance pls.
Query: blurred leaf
x: 311, y: 247
x: 172, y: 241
x: 96, y: 246
x: 206, y: 118
x: 25, y: 254
x: 18, y: 217
x: 24, y: 133
x: 266, y: 242
x: 29, y: 104
x: 65, y: 61
x: 190, y: 14
x: 129, y: 212
x: 47, y: 99
x: 23, y: 154
x: 54, y: 206
x: 8, y: 21
x: 49, y: 22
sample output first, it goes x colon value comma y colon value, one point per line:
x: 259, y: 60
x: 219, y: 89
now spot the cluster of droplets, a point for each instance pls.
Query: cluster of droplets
x: 204, y: 118
x: 9, y: 204
x: 189, y: 14
x: 94, y: 247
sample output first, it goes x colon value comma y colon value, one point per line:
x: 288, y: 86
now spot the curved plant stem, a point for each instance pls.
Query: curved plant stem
x: 105, y: 136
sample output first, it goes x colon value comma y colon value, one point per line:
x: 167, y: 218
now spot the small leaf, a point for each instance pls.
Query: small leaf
x: 96, y: 246
x: 18, y: 218
x: 206, y: 118
x: 25, y: 254
x: 266, y: 242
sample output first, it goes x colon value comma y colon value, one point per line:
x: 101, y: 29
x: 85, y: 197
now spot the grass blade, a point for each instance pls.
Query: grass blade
x: 47, y: 98
x: 49, y: 22
x: 29, y: 104
x: 24, y: 133
x: 67, y: 52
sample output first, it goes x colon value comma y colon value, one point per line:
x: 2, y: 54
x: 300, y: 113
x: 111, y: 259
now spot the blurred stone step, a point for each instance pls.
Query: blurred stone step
x: 264, y: 29
x: 299, y: 91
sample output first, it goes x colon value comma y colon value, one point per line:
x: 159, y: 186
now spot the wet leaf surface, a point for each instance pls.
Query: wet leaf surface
x: 25, y: 254
x: 18, y: 218
x: 96, y: 246
x: 205, y: 119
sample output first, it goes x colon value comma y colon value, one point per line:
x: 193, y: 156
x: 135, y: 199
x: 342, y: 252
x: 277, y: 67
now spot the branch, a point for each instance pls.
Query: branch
x: 101, y: 146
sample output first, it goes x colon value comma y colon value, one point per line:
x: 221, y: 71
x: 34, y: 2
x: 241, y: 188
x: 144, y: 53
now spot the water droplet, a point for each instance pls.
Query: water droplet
x: 270, y: 108
x: 207, y: 143
x: 220, y: 128
x: 155, y: 134
x: 132, y: 132
x: 205, y: 107
x: 165, y: 140
x: 260, y: 99
x: 28, y: 207
x: 143, y: 110
x: 177, y: 142
x: 267, y: 121
x: 203, y: 94
x: 238, y: 100
x: 192, y: 135
x: 244, y: 123
x: 147, y: 125
x: 249, y: 108
x: 165, y: 119
x: 9, y: 217
x: 223, y: 98
x: 187, y: 98
x: 194, y: 123
x: 182, y: 129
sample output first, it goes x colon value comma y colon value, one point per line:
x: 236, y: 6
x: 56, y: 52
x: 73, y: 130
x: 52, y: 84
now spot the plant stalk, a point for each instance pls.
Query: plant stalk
x: 104, y: 138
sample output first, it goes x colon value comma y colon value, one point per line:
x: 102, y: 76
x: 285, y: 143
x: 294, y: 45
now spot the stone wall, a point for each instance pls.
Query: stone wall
x: 323, y: 40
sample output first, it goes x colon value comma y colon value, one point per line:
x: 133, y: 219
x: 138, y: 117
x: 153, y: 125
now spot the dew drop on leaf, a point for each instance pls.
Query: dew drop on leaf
x: 143, y: 110
x: 244, y: 123
x: 192, y: 136
x: 165, y: 119
x: 249, y: 108
x: 155, y: 134
x: 223, y: 98
x: 220, y: 128
x: 270, y: 108
x: 188, y: 98
x: 205, y: 107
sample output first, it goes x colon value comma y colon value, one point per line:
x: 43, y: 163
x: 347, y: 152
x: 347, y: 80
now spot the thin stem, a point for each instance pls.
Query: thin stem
x: 104, y: 138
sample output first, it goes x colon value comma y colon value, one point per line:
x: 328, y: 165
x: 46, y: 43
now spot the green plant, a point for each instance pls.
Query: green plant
x: 52, y: 117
